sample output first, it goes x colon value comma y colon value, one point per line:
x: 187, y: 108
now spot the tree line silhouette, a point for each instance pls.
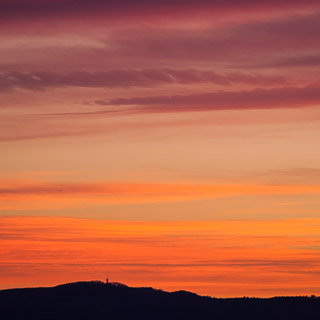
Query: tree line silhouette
x: 97, y: 300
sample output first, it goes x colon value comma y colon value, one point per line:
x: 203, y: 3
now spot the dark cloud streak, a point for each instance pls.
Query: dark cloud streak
x: 127, y: 78
x: 11, y: 9
x: 275, y: 98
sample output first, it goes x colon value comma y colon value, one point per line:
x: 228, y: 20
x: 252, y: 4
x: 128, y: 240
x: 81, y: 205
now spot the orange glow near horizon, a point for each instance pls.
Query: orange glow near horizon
x: 217, y: 258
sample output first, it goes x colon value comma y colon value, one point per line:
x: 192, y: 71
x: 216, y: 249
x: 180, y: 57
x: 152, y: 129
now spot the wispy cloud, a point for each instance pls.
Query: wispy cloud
x: 45, y: 9
x: 275, y: 98
x: 48, y: 196
x: 264, y: 43
x: 128, y: 78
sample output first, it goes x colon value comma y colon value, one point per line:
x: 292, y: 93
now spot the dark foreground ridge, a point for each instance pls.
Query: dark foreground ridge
x: 97, y: 300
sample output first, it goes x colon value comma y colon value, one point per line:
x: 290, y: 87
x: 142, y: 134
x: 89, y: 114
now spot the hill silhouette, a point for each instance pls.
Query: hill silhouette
x: 96, y: 300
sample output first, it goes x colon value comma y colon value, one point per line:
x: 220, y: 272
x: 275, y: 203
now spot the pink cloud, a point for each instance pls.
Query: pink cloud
x: 297, y: 61
x: 127, y: 78
x: 258, y: 44
x: 226, y: 44
x: 275, y: 98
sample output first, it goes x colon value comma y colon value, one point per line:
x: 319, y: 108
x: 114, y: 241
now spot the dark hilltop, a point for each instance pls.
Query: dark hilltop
x: 98, y: 300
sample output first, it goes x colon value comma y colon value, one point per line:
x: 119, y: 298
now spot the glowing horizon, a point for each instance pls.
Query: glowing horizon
x: 206, y: 257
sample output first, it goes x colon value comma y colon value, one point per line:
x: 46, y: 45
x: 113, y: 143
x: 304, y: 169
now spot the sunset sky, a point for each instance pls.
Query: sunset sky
x: 172, y: 144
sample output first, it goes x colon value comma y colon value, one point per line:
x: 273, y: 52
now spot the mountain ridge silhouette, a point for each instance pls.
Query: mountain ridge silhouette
x: 98, y: 300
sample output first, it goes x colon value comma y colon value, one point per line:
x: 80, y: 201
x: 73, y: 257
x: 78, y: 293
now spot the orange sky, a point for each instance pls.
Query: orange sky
x: 171, y: 144
x: 223, y: 258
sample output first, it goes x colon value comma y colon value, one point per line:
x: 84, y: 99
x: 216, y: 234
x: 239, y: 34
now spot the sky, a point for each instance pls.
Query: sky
x: 172, y: 144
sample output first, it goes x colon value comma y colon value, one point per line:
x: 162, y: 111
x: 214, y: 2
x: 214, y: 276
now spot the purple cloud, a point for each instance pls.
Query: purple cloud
x: 43, y: 9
